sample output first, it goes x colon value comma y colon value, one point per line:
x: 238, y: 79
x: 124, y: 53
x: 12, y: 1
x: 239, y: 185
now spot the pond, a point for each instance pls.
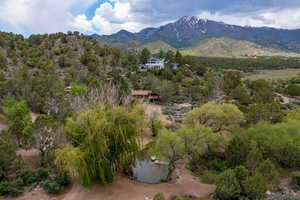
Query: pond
x: 148, y: 171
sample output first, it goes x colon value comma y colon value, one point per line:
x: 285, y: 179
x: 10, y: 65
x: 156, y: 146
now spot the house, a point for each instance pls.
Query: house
x: 154, y: 63
x: 145, y: 95
x: 68, y: 89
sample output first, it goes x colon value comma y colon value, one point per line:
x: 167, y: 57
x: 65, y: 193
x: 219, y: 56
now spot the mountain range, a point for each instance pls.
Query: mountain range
x: 190, y: 31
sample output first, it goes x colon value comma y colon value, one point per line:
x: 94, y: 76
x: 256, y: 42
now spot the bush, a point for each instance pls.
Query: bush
x: 12, y: 188
x: 209, y: 176
x: 293, y: 90
x: 295, y: 179
x: 51, y: 187
x: 159, y: 196
x: 255, y: 187
x: 241, y: 173
x: 41, y: 174
x: 63, y: 179
x: 228, y: 187
x: 269, y: 171
x: 28, y: 176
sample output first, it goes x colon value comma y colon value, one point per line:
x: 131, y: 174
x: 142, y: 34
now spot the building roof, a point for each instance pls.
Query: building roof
x: 141, y: 92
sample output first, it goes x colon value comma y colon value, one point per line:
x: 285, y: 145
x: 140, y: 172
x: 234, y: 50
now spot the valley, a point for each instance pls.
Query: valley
x: 211, y: 111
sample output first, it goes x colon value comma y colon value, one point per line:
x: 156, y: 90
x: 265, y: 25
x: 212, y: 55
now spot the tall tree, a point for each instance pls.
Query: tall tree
x: 104, y: 141
x: 171, y: 148
x: 17, y: 115
x: 145, y: 55
x: 218, y: 116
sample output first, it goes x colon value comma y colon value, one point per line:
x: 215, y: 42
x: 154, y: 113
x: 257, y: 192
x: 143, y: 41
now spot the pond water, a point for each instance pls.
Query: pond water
x: 147, y: 171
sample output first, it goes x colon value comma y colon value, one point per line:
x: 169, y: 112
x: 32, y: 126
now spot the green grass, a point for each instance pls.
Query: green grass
x: 274, y: 74
x: 188, y: 52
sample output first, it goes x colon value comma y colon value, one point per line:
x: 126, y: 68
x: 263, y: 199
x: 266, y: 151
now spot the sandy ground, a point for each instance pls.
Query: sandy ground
x: 285, y: 100
x: 31, y: 157
x: 33, y: 116
x: 125, y: 189
x: 2, y: 126
x: 153, y: 108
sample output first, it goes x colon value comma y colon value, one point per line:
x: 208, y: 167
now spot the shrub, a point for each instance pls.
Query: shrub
x: 295, y: 179
x: 269, y: 171
x: 228, y: 187
x: 12, y: 188
x: 241, y: 173
x: 41, y: 174
x: 28, y: 176
x: 63, y: 179
x: 51, y: 187
x: 293, y: 90
x: 255, y: 186
x: 159, y: 196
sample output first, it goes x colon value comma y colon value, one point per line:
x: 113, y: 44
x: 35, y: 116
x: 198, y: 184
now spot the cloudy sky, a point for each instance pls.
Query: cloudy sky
x: 109, y: 16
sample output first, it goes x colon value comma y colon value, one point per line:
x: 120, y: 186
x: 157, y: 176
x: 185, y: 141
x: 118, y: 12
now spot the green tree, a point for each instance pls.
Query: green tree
x: 227, y: 186
x: 262, y: 91
x: 237, y: 150
x: 155, y: 124
x: 255, y: 187
x: 145, y: 55
x: 218, y: 116
x: 17, y: 115
x: 293, y: 115
x: 8, y: 158
x: 170, y: 147
x: 241, y: 173
x: 271, y: 112
x: 293, y: 90
x: 159, y: 196
x: 254, y: 158
x: 3, y: 61
x: 269, y: 171
x: 279, y: 142
x: 178, y: 58
x: 104, y: 141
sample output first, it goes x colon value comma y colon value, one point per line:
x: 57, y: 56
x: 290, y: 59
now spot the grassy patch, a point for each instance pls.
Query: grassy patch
x: 274, y: 74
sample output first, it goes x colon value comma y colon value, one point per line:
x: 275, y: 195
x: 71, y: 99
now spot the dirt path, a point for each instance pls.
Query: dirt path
x: 285, y: 100
x: 31, y: 157
x: 125, y: 189
x: 3, y: 126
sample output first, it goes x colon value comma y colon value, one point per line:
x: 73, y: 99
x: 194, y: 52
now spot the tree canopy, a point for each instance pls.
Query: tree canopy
x: 104, y: 141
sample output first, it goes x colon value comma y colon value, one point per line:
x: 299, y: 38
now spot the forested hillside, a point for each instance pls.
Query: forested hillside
x: 68, y: 98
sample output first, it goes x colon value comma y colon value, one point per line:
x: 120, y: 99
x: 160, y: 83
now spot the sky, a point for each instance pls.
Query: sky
x: 109, y: 16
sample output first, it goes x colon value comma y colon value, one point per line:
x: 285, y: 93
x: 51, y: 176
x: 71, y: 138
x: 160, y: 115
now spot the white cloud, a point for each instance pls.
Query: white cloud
x: 47, y: 16
x: 82, y: 24
x: 40, y: 16
x: 278, y: 18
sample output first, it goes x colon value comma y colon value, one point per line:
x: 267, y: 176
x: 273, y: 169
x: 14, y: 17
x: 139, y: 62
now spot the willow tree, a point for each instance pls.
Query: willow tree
x: 220, y: 117
x: 104, y: 140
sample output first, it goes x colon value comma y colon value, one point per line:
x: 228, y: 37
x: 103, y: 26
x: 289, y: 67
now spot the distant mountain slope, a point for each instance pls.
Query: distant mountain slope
x: 156, y: 46
x: 134, y: 46
x: 189, y: 31
x: 227, y: 47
